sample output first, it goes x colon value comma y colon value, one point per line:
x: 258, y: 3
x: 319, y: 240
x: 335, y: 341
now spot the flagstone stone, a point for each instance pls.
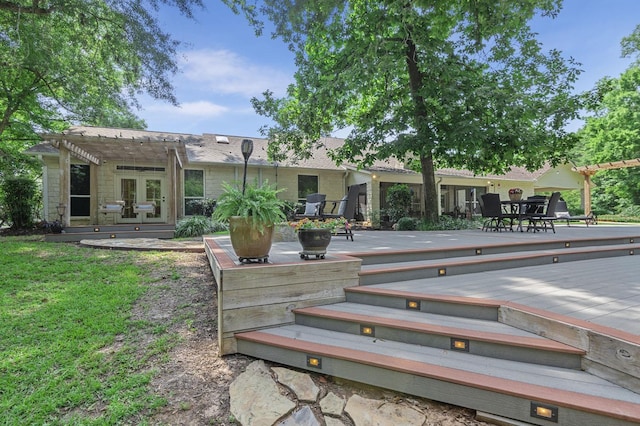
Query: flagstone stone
x: 256, y: 399
x: 300, y: 383
x: 371, y: 412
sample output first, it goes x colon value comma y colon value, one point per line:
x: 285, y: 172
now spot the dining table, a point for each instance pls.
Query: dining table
x: 522, y: 207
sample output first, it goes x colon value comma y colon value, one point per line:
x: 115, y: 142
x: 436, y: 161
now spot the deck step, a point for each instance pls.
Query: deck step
x: 78, y: 233
x: 506, y: 388
x: 433, y: 268
x: 475, y: 336
x: 383, y: 257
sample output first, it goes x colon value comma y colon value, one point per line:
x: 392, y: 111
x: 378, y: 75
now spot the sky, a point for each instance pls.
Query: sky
x: 223, y: 64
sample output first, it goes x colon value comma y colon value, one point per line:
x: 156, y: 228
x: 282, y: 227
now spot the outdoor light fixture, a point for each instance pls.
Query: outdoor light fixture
x: 442, y: 272
x: 62, y: 208
x: 247, y: 148
x: 413, y: 304
x: 555, y: 259
x: 461, y: 345
x: 567, y: 244
x: 478, y: 251
x: 546, y: 412
x: 367, y: 330
x: 314, y: 361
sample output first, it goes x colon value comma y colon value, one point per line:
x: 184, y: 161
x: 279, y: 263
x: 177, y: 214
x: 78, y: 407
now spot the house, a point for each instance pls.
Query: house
x: 113, y: 176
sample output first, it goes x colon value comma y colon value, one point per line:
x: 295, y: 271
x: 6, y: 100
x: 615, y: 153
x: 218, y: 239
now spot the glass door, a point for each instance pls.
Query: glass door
x: 139, y: 190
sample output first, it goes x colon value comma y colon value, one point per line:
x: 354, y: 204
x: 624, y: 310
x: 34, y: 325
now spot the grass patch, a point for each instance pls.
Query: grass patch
x: 67, y: 343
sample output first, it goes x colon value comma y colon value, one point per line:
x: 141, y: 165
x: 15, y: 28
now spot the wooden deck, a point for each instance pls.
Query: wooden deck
x: 543, y: 320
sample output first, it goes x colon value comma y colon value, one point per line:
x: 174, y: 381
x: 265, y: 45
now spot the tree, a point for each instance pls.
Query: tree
x: 78, y: 61
x: 612, y: 133
x: 439, y: 83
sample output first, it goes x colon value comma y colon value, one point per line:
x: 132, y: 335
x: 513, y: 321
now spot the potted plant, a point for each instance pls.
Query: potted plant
x: 515, y: 194
x: 251, y: 217
x: 314, y: 235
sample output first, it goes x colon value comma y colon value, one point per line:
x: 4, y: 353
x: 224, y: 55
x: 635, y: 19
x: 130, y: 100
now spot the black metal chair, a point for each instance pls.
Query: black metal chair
x: 346, y: 208
x: 539, y: 222
x: 492, y: 211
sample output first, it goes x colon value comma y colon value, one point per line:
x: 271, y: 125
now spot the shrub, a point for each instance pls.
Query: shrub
x: 197, y: 226
x: 406, y: 224
x: 448, y: 223
x: 20, y: 201
x: 204, y: 207
x: 398, y: 201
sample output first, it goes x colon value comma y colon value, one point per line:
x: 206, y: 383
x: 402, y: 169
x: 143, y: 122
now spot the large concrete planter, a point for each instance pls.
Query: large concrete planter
x: 249, y: 244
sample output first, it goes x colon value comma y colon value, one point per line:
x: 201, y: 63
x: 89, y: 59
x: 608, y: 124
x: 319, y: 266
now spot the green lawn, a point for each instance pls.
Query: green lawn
x: 67, y: 354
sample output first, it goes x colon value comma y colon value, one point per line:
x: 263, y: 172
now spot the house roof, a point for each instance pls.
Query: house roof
x: 142, y: 145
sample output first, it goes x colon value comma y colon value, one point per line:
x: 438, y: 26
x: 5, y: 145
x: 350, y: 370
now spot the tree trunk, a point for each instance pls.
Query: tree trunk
x: 429, y: 190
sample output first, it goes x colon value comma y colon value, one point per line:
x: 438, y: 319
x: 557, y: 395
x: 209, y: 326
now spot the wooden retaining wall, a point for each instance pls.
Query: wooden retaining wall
x: 257, y: 296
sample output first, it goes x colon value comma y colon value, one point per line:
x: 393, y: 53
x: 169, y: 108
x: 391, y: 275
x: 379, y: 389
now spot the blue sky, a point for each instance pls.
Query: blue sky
x: 224, y: 64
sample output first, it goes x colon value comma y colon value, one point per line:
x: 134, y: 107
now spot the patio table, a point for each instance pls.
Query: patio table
x: 520, y: 208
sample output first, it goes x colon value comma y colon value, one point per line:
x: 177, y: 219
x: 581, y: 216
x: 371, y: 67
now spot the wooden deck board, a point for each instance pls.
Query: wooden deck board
x: 467, y: 364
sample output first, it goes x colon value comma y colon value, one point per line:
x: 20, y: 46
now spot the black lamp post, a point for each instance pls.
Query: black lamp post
x: 247, y: 149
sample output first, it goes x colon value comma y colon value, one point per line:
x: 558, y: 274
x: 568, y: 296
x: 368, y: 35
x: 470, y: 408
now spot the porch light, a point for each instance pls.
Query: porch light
x: 62, y: 208
x: 247, y: 148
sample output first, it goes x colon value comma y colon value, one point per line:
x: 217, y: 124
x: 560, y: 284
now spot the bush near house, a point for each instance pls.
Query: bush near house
x: 20, y: 202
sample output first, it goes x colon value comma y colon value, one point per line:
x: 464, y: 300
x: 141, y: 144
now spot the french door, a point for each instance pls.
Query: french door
x: 135, y: 190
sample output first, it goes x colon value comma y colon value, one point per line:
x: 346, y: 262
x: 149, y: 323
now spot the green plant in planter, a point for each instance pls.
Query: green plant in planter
x: 260, y: 205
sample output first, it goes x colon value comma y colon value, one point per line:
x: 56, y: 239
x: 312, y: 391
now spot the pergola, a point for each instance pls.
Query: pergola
x: 588, y: 171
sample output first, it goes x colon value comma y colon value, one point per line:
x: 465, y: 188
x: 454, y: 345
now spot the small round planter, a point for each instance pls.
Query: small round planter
x: 515, y: 197
x: 314, y: 242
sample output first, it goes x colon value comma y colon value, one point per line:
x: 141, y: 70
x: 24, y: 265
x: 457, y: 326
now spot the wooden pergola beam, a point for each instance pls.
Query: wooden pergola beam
x: 608, y: 166
x: 588, y: 171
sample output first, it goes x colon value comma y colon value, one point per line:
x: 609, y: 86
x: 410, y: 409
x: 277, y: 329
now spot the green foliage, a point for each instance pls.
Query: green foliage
x: 260, y: 204
x: 399, y: 199
x: 204, y: 207
x: 67, y: 61
x: 406, y: 224
x: 20, y: 201
x: 67, y: 348
x: 448, y: 223
x: 196, y: 226
x: 455, y: 84
x: 611, y: 133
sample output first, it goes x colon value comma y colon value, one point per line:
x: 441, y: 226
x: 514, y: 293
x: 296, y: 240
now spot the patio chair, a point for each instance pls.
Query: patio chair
x: 346, y: 207
x: 492, y: 211
x: 314, y: 206
x: 540, y: 221
x: 562, y: 213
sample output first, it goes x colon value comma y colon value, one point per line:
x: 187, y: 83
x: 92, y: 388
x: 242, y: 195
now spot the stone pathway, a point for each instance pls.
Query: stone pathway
x: 276, y: 396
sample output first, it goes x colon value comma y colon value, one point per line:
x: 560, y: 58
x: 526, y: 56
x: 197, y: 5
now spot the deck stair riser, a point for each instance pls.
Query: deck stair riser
x: 480, y: 383
x: 406, y: 271
x: 481, y: 337
x: 380, y: 258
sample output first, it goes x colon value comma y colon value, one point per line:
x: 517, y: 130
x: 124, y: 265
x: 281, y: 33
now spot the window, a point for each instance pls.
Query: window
x: 193, y: 191
x: 80, y: 190
x: 306, y: 185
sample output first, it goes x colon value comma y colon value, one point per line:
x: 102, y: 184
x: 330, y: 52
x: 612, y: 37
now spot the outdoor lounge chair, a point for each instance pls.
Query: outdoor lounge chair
x: 562, y: 213
x: 540, y: 221
x: 314, y: 207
